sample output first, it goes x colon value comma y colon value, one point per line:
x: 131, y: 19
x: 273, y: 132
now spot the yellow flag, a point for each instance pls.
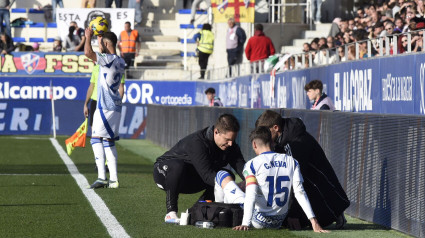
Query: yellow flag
x: 78, y: 139
x: 240, y: 10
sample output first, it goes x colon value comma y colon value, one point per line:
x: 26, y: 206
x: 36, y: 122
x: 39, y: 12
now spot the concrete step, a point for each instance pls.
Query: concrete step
x: 159, y: 53
x: 152, y: 45
x: 300, y: 42
x: 162, y: 3
x: 325, y: 27
x: 158, y: 16
x: 185, y: 18
x: 168, y: 31
x: 159, y: 23
x: 314, y: 34
x: 159, y: 38
x: 161, y: 74
x: 291, y: 49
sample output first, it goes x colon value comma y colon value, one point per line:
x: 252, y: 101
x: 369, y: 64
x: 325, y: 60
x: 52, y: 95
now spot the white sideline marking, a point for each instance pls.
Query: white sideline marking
x: 33, y: 174
x: 109, y: 221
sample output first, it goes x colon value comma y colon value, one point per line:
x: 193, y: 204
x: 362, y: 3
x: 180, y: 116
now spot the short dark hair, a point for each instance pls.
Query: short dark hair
x: 227, y: 122
x: 259, y: 27
x: 127, y: 22
x: 111, y: 37
x: 261, y: 134
x: 315, y: 84
x: 210, y: 90
x: 206, y: 26
x: 268, y: 119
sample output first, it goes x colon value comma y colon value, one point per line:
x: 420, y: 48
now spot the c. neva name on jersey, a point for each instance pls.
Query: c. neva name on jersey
x: 274, y: 164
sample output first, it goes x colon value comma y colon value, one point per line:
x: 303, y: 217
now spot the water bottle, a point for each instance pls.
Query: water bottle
x: 204, y: 224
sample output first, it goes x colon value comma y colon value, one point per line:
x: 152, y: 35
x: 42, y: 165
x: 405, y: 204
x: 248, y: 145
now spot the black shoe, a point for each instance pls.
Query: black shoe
x: 192, y: 21
x: 340, y: 222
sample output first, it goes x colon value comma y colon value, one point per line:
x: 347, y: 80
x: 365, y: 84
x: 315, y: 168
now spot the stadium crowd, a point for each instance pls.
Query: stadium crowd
x: 373, y: 21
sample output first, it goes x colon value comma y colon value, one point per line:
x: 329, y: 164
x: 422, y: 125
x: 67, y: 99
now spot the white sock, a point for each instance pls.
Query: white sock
x: 99, y: 155
x: 111, y: 156
x: 233, y: 194
x: 218, y: 193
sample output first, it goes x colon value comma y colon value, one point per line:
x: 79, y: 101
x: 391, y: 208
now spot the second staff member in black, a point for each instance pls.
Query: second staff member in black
x: 192, y: 164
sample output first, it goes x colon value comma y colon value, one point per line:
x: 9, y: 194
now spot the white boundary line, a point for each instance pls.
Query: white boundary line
x: 112, y: 225
x: 34, y: 174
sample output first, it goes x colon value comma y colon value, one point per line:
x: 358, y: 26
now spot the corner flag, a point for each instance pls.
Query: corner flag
x: 78, y: 139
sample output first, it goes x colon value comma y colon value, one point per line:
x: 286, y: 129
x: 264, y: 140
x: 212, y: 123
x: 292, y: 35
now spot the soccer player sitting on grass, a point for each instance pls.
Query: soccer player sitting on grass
x: 107, y: 116
x: 269, y: 179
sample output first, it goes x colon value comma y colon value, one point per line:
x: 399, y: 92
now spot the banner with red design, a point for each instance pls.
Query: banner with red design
x: 240, y: 10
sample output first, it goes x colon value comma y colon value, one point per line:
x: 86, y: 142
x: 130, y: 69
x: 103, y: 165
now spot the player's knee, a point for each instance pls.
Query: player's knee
x: 95, y: 140
x: 223, y: 177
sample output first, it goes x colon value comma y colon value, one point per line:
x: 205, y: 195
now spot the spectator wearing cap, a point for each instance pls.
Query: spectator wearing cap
x: 259, y: 46
x: 212, y: 99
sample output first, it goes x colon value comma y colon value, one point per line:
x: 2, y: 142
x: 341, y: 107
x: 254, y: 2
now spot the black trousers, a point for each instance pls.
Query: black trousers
x: 234, y: 56
x: 175, y: 176
x: 118, y: 3
x: 203, y: 62
x: 129, y: 59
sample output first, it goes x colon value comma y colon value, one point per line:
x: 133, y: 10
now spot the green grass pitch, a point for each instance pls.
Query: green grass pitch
x: 39, y: 198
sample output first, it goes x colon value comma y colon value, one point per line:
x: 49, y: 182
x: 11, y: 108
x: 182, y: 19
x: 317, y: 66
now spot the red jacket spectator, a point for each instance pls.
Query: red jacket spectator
x: 259, y: 46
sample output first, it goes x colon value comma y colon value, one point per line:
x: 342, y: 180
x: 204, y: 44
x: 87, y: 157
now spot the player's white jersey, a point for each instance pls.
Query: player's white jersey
x: 110, y: 73
x: 275, y: 173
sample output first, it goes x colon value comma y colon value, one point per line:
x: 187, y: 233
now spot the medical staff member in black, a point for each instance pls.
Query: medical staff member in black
x: 192, y: 164
x: 328, y: 198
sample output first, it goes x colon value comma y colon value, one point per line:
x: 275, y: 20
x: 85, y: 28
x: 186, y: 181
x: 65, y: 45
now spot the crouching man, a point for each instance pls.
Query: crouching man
x: 192, y: 164
x: 269, y: 179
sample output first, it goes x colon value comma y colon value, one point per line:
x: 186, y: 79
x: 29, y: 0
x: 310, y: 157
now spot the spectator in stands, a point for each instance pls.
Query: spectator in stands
x: 72, y: 41
x: 79, y: 32
x: 306, y: 47
x: 118, y: 3
x: 314, y: 92
x: 212, y: 99
x: 314, y: 44
x: 316, y: 7
x: 235, y: 40
x: 137, y: 5
x: 377, y: 29
x: 129, y: 44
x: 402, y: 44
x: 54, y: 3
x: 57, y: 44
x: 5, y: 5
x: 6, y: 44
x: 351, y: 25
x: 320, y: 58
x: 205, y: 42
x: 259, y: 46
x: 36, y: 47
x: 322, y: 41
x: 330, y: 42
x: 399, y: 25
x: 195, y: 5
x: 389, y: 28
x: 341, y: 54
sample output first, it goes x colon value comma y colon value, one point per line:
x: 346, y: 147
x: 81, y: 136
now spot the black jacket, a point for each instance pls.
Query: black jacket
x: 327, y: 197
x: 200, y: 150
